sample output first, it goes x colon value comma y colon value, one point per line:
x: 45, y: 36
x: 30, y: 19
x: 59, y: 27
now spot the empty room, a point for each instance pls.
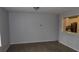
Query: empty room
x: 39, y: 29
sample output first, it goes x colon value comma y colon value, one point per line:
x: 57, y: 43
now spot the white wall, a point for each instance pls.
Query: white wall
x: 32, y: 27
x: 4, y: 29
x: 71, y: 40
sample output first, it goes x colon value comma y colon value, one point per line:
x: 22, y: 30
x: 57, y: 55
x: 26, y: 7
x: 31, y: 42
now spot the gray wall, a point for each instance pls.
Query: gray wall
x: 32, y: 27
x: 71, y: 40
x: 4, y: 30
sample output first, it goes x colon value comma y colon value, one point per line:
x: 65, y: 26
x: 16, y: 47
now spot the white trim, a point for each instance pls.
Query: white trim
x: 68, y: 46
x: 5, y: 48
x: 31, y: 42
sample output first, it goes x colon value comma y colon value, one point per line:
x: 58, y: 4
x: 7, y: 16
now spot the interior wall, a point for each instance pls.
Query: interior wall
x: 71, y: 40
x: 32, y: 27
x: 4, y: 30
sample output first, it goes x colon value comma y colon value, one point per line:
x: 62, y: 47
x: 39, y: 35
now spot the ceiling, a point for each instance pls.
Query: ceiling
x: 55, y: 10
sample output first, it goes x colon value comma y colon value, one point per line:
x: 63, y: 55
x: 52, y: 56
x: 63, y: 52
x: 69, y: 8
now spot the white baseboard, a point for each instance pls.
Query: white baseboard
x: 5, y: 48
x: 68, y: 46
x: 31, y: 42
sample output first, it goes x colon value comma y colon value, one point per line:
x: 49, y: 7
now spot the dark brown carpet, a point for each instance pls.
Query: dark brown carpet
x: 40, y: 47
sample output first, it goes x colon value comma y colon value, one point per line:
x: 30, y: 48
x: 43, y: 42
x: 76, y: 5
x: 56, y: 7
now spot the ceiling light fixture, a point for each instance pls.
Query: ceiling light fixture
x: 36, y: 8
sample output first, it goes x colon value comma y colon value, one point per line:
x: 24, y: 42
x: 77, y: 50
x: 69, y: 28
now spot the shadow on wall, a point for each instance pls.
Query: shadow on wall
x: 0, y: 40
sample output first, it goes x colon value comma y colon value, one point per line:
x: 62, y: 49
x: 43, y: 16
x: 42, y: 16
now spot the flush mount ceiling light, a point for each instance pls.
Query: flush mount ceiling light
x: 36, y: 8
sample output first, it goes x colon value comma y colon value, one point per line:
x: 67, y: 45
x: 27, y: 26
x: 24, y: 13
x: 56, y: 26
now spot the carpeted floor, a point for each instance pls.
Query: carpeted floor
x: 40, y: 47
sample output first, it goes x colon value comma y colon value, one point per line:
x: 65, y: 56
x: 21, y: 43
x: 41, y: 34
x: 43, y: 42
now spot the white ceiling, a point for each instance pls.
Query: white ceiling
x: 42, y: 9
